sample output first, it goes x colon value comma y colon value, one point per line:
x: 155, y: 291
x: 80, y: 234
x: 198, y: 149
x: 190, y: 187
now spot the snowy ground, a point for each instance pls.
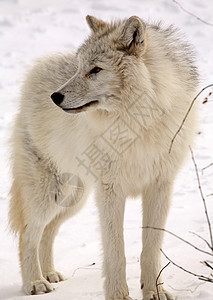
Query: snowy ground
x: 29, y: 29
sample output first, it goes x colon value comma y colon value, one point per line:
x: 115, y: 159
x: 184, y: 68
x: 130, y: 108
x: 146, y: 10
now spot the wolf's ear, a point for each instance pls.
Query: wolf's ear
x: 133, y: 35
x: 95, y: 24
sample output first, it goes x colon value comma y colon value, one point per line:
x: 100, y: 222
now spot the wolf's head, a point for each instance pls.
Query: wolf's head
x: 108, y: 67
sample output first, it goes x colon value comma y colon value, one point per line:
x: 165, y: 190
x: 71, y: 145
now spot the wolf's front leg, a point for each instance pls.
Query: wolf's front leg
x: 111, y: 205
x: 156, y: 204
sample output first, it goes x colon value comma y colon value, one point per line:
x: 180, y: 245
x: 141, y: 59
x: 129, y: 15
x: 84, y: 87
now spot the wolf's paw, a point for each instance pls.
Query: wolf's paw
x: 38, y: 287
x: 54, y: 277
x: 164, y: 295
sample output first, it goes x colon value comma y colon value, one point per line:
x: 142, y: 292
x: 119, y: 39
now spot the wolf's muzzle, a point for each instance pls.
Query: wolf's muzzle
x: 87, y: 106
x: 57, y: 98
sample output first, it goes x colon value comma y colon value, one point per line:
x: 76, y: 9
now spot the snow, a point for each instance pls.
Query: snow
x: 30, y: 29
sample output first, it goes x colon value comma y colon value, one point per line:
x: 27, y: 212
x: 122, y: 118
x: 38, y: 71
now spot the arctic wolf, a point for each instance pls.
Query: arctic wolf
x: 116, y: 105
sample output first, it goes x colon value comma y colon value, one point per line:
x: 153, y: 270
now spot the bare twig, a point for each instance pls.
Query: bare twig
x: 203, y: 198
x: 85, y: 268
x: 209, y: 195
x: 186, y: 115
x: 207, y: 167
x: 202, y: 239
x: 207, y: 265
x: 191, y: 14
x: 178, y: 237
x: 157, y: 284
x: 192, y: 291
x: 201, y: 277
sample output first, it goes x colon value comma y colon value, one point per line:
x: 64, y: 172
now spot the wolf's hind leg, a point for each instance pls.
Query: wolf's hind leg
x: 46, y: 248
x: 74, y: 199
x: 33, y: 281
x: 38, y: 210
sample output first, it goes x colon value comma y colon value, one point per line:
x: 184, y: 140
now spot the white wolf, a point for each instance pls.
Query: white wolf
x: 120, y: 99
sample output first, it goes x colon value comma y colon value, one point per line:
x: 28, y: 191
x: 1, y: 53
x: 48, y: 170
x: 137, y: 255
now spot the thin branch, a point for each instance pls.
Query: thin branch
x: 157, y: 284
x: 191, y: 14
x: 202, y: 239
x: 207, y: 265
x: 203, y: 198
x: 209, y: 195
x: 207, y: 167
x: 186, y: 115
x: 85, y: 268
x: 192, y: 291
x: 178, y: 237
x: 201, y: 277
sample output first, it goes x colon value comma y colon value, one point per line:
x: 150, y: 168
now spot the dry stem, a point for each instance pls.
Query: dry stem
x: 157, y: 284
x: 201, y: 277
x: 201, y: 239
x: 191, y: 14
x: 186, y: 115
x: 203, y: 198
x: 207, y: 167
x: 178, y: 237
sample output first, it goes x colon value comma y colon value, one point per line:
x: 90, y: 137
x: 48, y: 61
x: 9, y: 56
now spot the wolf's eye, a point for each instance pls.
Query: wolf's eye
x: 95, y: 70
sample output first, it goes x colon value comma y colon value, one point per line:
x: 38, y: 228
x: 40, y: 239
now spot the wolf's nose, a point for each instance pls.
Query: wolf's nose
x: 57, y: 98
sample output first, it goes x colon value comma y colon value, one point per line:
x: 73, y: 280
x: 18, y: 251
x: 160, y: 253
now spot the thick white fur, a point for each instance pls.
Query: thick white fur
x: 144, y: 67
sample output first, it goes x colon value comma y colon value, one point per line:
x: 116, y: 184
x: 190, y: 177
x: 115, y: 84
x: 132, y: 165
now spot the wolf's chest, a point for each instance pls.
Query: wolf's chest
x: 136, y: 169
x: 130, y: 162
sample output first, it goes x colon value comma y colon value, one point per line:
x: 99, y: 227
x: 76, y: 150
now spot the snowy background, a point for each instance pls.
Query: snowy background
x: 30, y: 29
